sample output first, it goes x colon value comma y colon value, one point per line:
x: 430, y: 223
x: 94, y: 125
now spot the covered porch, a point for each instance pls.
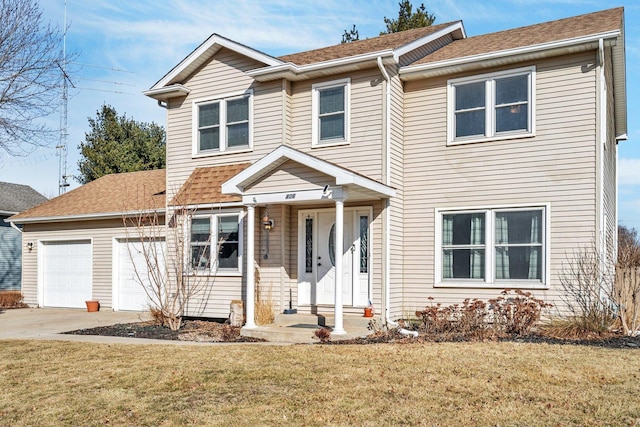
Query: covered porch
x: 323, y: 222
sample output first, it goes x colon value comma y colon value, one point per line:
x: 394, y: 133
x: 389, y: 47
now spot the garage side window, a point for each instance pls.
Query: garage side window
x: 215, y: 243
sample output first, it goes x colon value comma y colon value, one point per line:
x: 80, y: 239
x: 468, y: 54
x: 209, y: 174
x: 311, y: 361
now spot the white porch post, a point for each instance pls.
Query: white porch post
x: 250, y: 321
x: 338, y: 327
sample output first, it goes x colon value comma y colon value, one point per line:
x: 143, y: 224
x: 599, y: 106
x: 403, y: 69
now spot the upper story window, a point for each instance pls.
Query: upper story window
x: 491, y: 106
x: 215, y: 243
x: 222, y: 125
x: 493, y: 247
x: 331, y: 112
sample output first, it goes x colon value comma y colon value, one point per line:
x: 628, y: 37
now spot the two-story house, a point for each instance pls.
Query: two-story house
x: 418, y: 164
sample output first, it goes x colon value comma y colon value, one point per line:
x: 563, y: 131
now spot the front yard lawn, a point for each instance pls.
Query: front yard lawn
x: 508, y: 383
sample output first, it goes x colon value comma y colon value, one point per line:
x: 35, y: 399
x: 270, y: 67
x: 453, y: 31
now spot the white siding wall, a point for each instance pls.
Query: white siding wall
x: 557, y: 166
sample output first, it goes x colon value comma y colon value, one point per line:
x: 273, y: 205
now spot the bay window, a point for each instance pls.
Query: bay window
x: 491, y: 106
x: 495, y: 247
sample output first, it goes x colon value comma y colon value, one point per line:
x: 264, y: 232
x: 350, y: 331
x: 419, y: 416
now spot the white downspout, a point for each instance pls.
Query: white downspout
x: 602, y: 140
x: 15, y: 227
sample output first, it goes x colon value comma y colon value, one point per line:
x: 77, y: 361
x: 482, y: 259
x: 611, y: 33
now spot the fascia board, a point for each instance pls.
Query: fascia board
x: 82, y: 217
x: 215, y: 39
x: 416, y: 69
x: 300, y: 69
x: 163, y: 93
x: 402, y: 50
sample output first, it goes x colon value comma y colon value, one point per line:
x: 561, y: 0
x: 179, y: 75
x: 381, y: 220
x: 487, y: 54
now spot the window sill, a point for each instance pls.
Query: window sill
x: 214, y: 153
x: 495, y: 138
x: 329, y: 144
x: 524, y: 284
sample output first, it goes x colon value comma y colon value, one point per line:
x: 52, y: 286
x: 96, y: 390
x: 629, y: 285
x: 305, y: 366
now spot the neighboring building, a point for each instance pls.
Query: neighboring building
x: 445, y: 166
x: 14, y: 198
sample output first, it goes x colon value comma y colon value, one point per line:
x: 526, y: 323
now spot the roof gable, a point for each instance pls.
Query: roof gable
x: 108, y: 196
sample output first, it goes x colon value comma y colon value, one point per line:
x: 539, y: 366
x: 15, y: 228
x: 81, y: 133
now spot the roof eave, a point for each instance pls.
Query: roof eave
x: 291, y: 71
x: 455, y: 27
x: 414, y: 72
x: 167, y: 92
x: 83, y: 217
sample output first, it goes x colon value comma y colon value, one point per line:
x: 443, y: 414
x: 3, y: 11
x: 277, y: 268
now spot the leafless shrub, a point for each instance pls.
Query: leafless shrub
x: 322, y: 334
x: 516, y: 314
x: 587, y: 280
x: 11, y: 299
x: 264, y: 310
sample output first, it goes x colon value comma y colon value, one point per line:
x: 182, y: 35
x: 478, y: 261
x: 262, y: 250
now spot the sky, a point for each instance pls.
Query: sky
x: 124, y: 47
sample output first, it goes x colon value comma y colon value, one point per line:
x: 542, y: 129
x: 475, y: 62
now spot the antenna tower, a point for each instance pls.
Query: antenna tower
x: 62, y: 146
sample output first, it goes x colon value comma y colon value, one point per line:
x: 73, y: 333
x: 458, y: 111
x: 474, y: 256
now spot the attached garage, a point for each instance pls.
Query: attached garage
x: 132, y: 269
x: 66, y: 271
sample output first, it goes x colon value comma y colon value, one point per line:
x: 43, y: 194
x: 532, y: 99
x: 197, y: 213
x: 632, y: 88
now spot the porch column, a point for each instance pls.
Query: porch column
x: 250, y: 321
x: 338, y: 327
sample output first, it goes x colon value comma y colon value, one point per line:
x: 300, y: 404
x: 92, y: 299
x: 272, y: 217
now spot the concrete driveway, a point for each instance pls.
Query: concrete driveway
x: 49, y: 323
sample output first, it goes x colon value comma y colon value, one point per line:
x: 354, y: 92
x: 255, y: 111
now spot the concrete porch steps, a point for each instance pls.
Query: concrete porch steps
x: 300, y: 328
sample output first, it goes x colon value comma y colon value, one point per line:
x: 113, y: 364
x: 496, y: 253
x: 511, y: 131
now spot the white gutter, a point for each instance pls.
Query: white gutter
x: 14, y: 226
x: 387, y: 217
x: 81, y: 217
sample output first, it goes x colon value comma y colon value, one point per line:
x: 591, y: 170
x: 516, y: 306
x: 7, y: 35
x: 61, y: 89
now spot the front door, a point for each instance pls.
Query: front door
x: 317, y: 256
x: 326, y: 259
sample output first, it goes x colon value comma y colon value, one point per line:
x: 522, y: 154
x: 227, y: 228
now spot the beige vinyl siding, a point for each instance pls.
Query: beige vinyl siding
x: 101, y: 232
x: 291, y: 176
x: 222, y: 76
x: 610, y: 160
x: 397, y: 251
x: 556, y: 167
x: 364, y: 153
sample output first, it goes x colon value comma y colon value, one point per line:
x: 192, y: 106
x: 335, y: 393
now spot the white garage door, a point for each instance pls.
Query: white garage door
x: 66, y: 273
x: 132, y: 269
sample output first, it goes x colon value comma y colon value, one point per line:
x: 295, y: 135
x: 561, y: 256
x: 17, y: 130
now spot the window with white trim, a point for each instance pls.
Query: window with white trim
x: 223, y: 124
x: 491, y: 106
x: 331, y: 112
x: 492, y: 247
x: 214, y: 243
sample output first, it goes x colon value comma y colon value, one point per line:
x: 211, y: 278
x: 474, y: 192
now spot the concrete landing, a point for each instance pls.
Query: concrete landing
x: 300, y: 328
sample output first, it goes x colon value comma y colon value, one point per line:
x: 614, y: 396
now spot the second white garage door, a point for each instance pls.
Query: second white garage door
x: 66, y: 273
x: 131, y: 259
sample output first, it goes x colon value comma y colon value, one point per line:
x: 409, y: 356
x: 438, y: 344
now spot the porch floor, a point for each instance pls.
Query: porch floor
x: 300, y: 328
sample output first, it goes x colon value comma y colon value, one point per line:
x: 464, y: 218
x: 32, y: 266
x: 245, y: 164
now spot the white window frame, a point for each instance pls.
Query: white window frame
x: 490, y: 107
x: 315, y: 126
x: 490, y: 259
x: 223, y: 148
x: 214, y: 270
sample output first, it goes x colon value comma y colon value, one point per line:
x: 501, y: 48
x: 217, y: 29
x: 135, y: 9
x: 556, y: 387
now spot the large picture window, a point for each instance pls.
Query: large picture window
x: 491, y: 106
x: 331, y: 112
x: 498, y: 247
x: 222, y: 125
x: 215, y: 243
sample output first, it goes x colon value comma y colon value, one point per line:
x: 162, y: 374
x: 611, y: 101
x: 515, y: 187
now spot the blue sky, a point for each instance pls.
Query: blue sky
x: 126, y: 46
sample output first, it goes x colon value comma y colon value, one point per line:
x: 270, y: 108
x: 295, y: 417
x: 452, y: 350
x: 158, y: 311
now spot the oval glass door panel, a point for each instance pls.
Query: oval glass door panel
x: 332, y: 245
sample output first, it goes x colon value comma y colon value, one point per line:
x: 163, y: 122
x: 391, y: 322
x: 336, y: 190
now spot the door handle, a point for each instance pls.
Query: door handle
x: 319, y: 264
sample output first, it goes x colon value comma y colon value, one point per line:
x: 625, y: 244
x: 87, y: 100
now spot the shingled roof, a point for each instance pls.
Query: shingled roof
x: 361, y: 47
x: 563, y: 29
x: 203, y: 186
x: 15, y: 198
x: 110, y: 195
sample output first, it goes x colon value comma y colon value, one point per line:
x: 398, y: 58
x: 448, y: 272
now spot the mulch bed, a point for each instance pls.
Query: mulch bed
x: 191, y: 330
x: 210, y: 331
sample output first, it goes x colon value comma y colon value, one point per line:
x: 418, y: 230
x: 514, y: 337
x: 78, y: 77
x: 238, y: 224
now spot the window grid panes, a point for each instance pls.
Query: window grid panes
x: 214, y: 242
x: 332, y: 113
x: 512, y: 241
x: 224, y: 124
x: 492, y: 106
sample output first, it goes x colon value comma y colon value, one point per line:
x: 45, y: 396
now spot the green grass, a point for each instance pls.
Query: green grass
x: 66, y: 383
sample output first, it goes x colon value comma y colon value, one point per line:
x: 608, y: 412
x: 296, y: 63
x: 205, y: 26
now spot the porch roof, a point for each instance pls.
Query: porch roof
x: 203, y: 186
x: 353, y: 182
